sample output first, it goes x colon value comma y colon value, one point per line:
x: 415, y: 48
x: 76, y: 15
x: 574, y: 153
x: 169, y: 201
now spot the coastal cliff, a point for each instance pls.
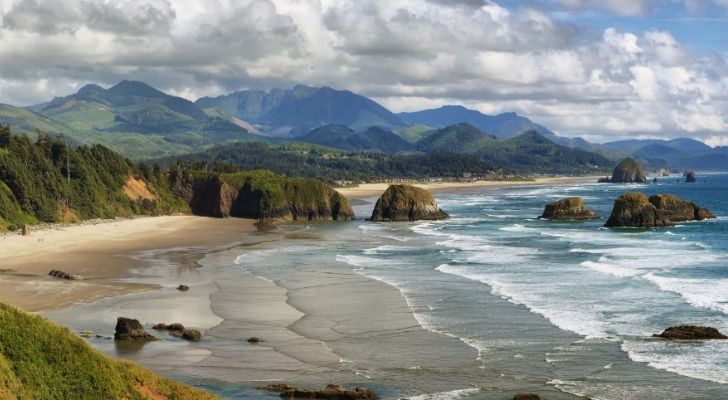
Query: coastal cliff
x: 41, y: 360
x: 637, y: 210
x: 406, y: 203
x: 261, y: 195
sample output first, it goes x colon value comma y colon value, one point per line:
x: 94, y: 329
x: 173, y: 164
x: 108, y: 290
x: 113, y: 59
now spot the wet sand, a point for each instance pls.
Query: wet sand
x: 100, y: 253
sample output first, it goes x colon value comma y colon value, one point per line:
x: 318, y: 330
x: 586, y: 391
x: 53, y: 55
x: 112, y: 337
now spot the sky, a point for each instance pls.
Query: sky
x: 599, y: 69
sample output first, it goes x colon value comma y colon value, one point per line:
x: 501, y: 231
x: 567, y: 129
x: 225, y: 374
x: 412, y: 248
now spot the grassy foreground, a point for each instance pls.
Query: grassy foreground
x: 41, y: 360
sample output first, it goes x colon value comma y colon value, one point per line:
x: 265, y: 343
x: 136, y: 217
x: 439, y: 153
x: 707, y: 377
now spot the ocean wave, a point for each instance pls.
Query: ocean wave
x: 710, y: 294
x: 705, y: 361
x: 451, y: 395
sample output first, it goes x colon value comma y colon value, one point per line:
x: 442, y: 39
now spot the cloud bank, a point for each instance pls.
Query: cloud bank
x: 407, y: 54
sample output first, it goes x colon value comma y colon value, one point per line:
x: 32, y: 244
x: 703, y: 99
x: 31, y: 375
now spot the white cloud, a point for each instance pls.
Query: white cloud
x: 407, y: 54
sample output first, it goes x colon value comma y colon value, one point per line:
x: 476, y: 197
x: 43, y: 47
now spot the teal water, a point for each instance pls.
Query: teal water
x: 568, y: 307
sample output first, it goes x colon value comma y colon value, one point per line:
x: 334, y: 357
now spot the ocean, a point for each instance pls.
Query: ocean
x: 495, y: 301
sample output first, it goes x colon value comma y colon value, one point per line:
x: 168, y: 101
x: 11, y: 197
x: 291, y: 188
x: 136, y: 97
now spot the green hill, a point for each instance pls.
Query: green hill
x: 137, y: 120
x: 24, y: 121
x: 459, y: 138
x: 41, y: 360
x: 532, y: 152
x: 342, y: 138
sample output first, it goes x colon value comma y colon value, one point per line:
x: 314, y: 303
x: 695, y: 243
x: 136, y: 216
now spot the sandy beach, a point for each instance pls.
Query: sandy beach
x: 375, y: 189
x: 100, y: 253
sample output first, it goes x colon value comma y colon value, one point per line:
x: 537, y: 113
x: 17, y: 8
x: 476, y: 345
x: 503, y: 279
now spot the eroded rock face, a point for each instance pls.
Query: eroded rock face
x: 406, y: 203
x: 568, y: 209
x: 130, y: 329
x: 627, y: 171
x: 691, y: 332
x: 637, y: 210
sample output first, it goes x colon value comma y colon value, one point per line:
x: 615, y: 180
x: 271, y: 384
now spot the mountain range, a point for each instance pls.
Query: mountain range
x: 142, y: 122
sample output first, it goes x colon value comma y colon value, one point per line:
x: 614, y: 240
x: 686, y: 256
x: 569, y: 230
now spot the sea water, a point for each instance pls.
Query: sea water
x: 490, y: 302
x: 570, y: 306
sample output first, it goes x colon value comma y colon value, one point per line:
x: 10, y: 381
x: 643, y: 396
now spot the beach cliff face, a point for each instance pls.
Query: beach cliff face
x: 406, y: 203
x: 264, y: 196
x: 637, y: 210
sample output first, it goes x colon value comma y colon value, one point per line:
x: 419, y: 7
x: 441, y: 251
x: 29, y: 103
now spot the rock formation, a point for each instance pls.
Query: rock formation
x: 183, y: 288
x: 568, y: 209
x: 64, y: 275
x: 690, y: 177
x: 627, y: 171
x: 691, y: 332
x: 406, y: 203
x: 179, y: 330
x: 264, y: 196
x: 637, y: 210
x: 128, y: 329
x: 527, y: 396
x: 330, y: 392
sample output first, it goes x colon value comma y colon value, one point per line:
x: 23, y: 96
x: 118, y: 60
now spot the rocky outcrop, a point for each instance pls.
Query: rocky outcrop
x: 330, y: 392
x: 65, y: 275
x: 568, y: 209
x: 637, y: 210
x: 264, y: 196
x: 690, y: 177
x: 627, y: 171
x: 691, y: 332
x: 527, y: 396
x: 128, y: 329
x: 183, y: 288
x: 406, y: 203
x: 179, y: 330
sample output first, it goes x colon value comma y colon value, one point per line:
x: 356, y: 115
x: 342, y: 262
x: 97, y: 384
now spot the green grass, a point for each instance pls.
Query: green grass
x: 41, y: 360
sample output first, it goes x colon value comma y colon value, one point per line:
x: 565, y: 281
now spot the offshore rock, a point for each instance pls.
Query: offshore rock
x: 128, y: 329
x: 627, y: 171
x: 568, y: 209
x: 406, y: 203
x: 330, y: 392
x: 637, y: 210
x: 691, y: 332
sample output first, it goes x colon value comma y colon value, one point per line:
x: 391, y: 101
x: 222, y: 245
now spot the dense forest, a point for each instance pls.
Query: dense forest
x: 304, y: 160
x: 45, y: 180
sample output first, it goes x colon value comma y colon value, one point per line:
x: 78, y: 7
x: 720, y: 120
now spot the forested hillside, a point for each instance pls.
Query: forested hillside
x: 44, y: 180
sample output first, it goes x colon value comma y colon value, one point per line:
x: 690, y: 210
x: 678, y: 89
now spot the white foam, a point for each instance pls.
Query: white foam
x: 710, y: 294
x: 452, y: 395
x: 700, y: 360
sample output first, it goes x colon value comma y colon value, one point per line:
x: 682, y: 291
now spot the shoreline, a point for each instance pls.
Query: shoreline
x: 102, y: 253
x: 367, y: 190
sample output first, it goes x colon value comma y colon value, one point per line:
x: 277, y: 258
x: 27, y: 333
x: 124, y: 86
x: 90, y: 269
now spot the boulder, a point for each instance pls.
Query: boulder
x: 527, y: 396
x: 187, y: 334
x: 64, y: 275
x: 691, y: 332
x: 568, y: 209
x: 253, y: 340
x: 128, y: 329
x: 183, y: 288
x: 637, y: 210
x: 330, y: 392
x: 26, y: 230
x: 171, y: 327
x: 690, y: 177
x: 627, y: 171
x: 406, y: 203
x: 276, y: 387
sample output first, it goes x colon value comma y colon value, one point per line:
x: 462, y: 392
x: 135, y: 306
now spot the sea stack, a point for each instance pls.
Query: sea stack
x: 406, y: 203
x: 690, y: 177
x: 627, y: 171
x: 568, y: 209
x: 691, y: 332
x: 637, y: 210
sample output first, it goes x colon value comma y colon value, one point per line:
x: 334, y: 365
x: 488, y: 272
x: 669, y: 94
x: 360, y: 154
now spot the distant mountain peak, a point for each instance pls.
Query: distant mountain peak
x: 136, y: 88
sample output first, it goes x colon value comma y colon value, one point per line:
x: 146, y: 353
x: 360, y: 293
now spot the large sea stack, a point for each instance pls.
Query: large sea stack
x: 637, y: 210
x: 262, y: 195
x: 568, y: 209
x: 627, y: 171
x: 406, y: 203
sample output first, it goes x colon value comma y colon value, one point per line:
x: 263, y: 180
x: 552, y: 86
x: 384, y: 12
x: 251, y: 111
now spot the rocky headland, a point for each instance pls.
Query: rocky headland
x: 568, y: 209
x: 262, y: 195
x: 637, y: 210
x: 406, y: 203
x: 627, y: 171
